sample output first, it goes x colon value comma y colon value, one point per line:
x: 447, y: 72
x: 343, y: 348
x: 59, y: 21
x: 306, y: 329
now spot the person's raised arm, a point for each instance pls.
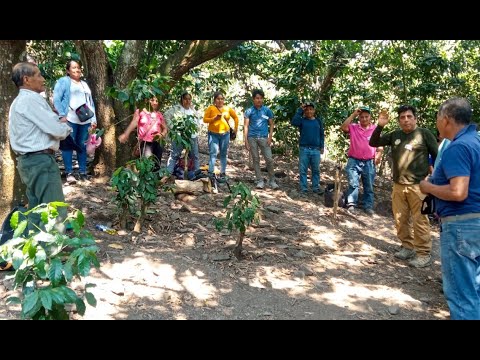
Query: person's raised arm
x: 297, y: 118
x: 348, y: 120
x: 376, y: 140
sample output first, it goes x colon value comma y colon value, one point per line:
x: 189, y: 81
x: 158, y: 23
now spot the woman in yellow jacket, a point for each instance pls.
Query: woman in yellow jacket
x: 217, y: 117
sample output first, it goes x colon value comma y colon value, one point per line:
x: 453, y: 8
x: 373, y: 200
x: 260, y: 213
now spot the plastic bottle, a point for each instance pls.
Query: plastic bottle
x: 106, y: 229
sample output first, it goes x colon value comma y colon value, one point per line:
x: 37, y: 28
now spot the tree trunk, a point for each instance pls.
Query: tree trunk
x: 125, y: 72
x: 12, y: 191
x: 99, y: 77
x: 199, y: 186
x: 141, y: 218
x: 237, y: 251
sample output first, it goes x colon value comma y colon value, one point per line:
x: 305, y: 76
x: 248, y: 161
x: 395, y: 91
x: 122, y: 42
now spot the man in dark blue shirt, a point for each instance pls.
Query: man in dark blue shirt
x: 312, y: 138
x: 456, y: 185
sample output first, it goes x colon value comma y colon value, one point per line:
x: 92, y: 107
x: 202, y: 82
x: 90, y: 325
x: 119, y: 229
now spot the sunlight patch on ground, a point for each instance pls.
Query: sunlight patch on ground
x: 347, y: 293
x: 328, y: 239
x: 275, y: 278
x: 197, y: 287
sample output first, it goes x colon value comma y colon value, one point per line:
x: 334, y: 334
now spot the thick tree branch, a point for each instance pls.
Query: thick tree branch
x: 194, y: 53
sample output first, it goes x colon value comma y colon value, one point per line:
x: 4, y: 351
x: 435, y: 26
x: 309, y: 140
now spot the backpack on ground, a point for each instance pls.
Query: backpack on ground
x: 329, y: 195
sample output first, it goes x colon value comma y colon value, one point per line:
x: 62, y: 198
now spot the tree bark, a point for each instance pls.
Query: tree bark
x: 12, y: 191
x: 99, y: 77
x: 125, y: 72
x: 194, y: 53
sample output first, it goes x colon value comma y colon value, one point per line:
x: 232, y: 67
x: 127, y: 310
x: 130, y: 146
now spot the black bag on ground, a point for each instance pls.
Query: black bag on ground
x: 329, y: 195
x: 428, y: 205
x: 6, y: 233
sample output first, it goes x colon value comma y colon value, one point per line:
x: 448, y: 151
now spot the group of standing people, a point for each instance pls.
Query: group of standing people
x: 35, y: 131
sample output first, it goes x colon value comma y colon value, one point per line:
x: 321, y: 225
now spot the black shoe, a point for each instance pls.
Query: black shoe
x: 222, y: 178
x: 83, y: 177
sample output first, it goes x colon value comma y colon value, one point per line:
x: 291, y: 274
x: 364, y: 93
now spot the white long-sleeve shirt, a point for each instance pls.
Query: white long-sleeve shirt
x: 33, y: 126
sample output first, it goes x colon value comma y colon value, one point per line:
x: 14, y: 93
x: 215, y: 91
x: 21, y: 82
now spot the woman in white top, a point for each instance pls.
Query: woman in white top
x: 69, y: 93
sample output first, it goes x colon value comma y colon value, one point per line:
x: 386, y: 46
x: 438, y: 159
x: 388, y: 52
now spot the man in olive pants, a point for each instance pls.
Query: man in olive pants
x: 411, y: 146
x: 35, y: 132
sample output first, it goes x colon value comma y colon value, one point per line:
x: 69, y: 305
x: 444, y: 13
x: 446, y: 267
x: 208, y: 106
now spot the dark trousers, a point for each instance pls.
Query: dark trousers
x: 152, y: 148
x: 41, y: 175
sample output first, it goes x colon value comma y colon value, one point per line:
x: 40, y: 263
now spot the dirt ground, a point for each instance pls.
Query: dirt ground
x: 298, y: 262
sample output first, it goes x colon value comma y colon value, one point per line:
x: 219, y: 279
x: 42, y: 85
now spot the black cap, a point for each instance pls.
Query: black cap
x: 309, y: 103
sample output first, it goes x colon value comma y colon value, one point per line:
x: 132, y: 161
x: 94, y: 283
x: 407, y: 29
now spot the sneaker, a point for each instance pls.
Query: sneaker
x: 369, y: 212
x: 260, y: 184
x: 273, y: 185
x: 83, y: 177
x: 319, y: 191
x: 421, y: 261
x: 404, y: 254
x: 351, y: 209
x: 71, y: 179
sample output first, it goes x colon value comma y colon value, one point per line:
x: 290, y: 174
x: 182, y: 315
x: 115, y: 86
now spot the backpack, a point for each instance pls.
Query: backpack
x: 329, y: 195
x: 179, y: 168
x: 6, y: 233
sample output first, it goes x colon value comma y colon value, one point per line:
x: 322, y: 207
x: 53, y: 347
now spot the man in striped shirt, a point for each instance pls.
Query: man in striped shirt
x: 35, y: 132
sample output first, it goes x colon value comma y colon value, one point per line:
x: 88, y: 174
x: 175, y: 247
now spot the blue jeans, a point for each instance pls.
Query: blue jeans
x: 309, y: 157
x: 355, y: 170
x: 80, y: 135
x: 460, y: 254
x: 218, y: 142
x: 176, y: 151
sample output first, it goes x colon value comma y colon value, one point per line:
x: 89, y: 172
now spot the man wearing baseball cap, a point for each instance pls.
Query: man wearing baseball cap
x: 362, y: 159
x: 312, y: 138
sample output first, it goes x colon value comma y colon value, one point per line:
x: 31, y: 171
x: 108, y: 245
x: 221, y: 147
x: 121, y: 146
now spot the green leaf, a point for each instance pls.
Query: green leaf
x: 90, y: 285
x: 55, y: 271
x: 80, y: 218
x: 30, y: 302
x: 123, y: 96
x: 56, y: 204
x: 58, y: 296
x: 17, y: 258
x: 80, y: 306
x: 40, y: 255
x: 68, y: 270
x: 13, y: 300
x: 40, y: 270
x: 20, y: 229
x: 91, y: 299
x: 46, y: 298
x: 14, y: 219
x: 44, y: 217
x: 83, y: 265
x: 69, y: 294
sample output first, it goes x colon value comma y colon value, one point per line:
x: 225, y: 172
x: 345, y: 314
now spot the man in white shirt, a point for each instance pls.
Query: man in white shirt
x: 35, y: 132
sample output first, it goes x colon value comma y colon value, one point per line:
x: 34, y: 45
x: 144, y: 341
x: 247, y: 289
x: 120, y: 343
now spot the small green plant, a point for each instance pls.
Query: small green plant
x: 137, y: 182
x: 181, y: 129
x: 147, y: 187
x: 125, y: 182
x: 241, y: 213
x: 46, y: 261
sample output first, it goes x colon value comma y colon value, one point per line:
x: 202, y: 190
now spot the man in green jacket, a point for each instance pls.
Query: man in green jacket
x: 411, y: 146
